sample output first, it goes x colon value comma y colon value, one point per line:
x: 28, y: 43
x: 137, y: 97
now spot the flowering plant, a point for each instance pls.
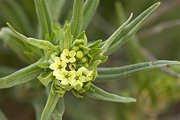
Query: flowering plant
x: 66, y: 61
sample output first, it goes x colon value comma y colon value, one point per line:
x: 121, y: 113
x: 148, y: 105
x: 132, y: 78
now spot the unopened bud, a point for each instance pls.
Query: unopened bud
x: 75, y: 48
x: 79, y: 54
x: 84, y: 59
x: 86, y: 65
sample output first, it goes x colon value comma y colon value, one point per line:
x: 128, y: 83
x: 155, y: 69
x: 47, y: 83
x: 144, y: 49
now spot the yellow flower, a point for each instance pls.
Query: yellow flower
x: 78, y: 80
x: 58, y: 66
x: 89, y: 74
x: 68, y: 56
x: 66, y: 77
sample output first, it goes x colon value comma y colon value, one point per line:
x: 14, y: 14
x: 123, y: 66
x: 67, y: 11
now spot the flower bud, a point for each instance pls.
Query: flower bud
x: 75, y: 48
x: 84, y: 59
x: 86, y: 65
x: 79, y: 54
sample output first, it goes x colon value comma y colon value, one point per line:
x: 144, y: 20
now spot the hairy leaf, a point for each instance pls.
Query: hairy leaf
x: 50, y: 106
x: 89, y: 10
x: 103, y: 95
x: 115, y: 35
x: 44, y: 17
x: 59, y: 110
x: 114, y: 73
x: 68, y: 38
x: 131, y: 28
x: 24, y: 75
x: 77, y: 18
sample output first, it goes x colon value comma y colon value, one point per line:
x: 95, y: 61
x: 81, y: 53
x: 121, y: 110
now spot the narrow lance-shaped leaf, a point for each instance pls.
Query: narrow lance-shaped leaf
x: 77, y: 17
x: 96, y: 63
x: 131, y: 28
x: 90, y: 7
x: 68, y: 38
x: 36, y: 42
x: 44, y: 17
x: 35, y: 52
x: 47, y: 46
x: 115, y: 34
x: 103, y: 95
x: 59, y: 110
x: 50, y: 106
x: 115, y: 73
x: 45, y: 78
x: 21, y: 36
x: 59, y: 32
x: 15, y: 44
x: 24, y: 75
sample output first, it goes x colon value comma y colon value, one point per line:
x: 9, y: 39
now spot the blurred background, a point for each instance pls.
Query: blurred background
x: 157, y: 91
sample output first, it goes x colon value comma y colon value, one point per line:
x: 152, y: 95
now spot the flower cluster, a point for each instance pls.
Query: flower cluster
x: 68, y: 75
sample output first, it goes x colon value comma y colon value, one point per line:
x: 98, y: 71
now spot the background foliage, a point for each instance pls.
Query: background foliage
x: 157, y: 92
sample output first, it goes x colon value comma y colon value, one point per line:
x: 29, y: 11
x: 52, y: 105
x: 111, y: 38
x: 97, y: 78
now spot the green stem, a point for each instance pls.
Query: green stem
x: 50, y: 106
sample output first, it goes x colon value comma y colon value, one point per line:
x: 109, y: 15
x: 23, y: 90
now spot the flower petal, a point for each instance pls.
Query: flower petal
x: 64, y: 82
x: 72, y: 53
x: 57, y: 60
x: 53, y: 66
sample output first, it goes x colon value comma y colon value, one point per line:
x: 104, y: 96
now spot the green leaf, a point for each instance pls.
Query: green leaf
x: 81, y: 35
x: 15, y: 44
x: 106, y: 74
x: 59, y: 32
x: 50, y: 106
x: 104, y: 59
x: 77, y: 18
x: 44, y: 17
x: 103, y: 95
x: 24, y: 75
x: 46, y: 77
x: 89, y: 10
x: 2, y: 116
x: 68, y: 38
x: 34, y: 52
x: 44, y: 64
x: 130, y: 29
x: 47, y: 46
x: 95, y: 64
x: 115, y: 35
x: 95, y: 44
x: 59, y: 110
x: 76, y: 93
x: 95, y: 51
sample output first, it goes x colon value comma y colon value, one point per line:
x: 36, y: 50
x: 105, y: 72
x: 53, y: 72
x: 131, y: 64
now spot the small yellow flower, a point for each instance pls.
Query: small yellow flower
x: 90, y: 75
x: 68, y: 56
x: 58, y: 66
x: 78, y: 80
x: 66, y: 77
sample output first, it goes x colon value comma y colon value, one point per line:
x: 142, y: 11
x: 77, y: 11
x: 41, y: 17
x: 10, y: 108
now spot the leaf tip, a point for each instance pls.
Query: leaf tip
x: 158, y: 3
